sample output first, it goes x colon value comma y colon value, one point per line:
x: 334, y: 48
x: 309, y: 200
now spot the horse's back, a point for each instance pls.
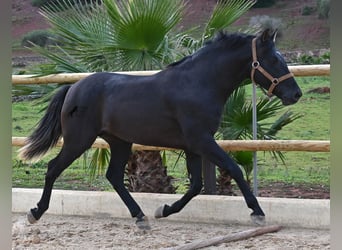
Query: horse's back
x: 102, y: 88
x: 133, y: 108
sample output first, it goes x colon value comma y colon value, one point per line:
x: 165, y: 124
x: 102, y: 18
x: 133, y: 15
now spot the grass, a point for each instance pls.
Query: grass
x: 303, y: 167
x: 300, y: 167
x: 75, y: 178
x: 25, y: 116
x: 315, y: 108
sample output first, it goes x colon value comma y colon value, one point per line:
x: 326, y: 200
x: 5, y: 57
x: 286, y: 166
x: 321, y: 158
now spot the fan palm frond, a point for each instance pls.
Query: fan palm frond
x: 236, y: 122
x: 62, y: 62
x: 141, y: 29
x: 285, y: 119
x: 224, y: 14
x: 114, y: 36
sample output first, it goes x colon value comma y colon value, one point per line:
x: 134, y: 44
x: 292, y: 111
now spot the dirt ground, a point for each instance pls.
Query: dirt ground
x: 72, y: 232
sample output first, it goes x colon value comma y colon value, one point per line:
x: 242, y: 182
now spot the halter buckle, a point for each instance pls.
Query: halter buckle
x: 275, y: 81
x: 255, y: 64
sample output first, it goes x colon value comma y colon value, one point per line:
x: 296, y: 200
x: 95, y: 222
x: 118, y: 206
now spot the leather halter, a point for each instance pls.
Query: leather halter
x: 256, y: 66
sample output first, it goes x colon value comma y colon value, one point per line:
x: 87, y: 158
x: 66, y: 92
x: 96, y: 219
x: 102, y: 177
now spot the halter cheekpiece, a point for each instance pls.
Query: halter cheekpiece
x: 256, y: 66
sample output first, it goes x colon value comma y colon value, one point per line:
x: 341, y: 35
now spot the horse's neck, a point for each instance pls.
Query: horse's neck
x: 226, y: 73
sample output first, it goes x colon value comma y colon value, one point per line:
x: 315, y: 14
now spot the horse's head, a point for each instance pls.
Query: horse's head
x: 270, y: 71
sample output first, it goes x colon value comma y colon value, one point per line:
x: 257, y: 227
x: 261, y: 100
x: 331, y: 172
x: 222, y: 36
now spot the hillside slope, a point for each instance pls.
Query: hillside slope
x: 300, y: 32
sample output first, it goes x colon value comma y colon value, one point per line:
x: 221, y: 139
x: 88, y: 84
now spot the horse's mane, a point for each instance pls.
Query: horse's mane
x: 228, y: 40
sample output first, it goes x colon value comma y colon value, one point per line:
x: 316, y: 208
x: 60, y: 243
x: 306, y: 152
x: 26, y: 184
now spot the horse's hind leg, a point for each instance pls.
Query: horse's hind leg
x: 194, y: 167
x: 71, y: 150
x: 120, y: 152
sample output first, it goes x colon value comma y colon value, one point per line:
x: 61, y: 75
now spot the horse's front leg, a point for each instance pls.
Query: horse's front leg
x: 216, y: 155
x: 194, y: 167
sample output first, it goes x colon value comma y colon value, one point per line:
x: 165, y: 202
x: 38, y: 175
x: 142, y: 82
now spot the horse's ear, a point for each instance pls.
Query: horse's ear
x: 268, y: 34
x: 274, y: 35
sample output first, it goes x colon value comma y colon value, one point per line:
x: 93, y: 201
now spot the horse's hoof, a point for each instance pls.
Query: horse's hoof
x: 143, y: 223
x: 258, y: 220
x: 31, y: 218
x: 159, y: 212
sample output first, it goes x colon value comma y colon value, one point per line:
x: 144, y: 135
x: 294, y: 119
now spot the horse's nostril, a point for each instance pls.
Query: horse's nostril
x: 298, y: 95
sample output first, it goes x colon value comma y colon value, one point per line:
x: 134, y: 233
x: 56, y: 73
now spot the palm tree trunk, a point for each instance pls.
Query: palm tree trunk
x: 146, y: 173
x: 224, y: 184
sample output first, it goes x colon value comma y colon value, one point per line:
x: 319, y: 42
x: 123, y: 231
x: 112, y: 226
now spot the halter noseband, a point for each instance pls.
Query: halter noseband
x: 256, y: 66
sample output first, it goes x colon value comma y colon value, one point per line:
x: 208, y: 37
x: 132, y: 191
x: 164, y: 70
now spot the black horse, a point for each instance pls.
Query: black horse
x: 179, y: 107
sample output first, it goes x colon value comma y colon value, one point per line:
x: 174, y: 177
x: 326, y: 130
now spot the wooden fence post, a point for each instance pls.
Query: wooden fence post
x: 209, y: 176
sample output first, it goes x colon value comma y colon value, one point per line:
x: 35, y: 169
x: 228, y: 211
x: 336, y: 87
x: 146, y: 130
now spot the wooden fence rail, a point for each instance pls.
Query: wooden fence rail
x: 300, y: 70
x: 228, y: 145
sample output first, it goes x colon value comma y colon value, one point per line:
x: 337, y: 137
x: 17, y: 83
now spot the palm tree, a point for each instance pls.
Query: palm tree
x: 126, y: 35
x: 113, y: 36
x: 236, y: 124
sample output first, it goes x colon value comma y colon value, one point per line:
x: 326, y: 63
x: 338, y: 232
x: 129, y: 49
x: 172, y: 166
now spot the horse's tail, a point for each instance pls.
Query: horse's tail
x: 48, y: 130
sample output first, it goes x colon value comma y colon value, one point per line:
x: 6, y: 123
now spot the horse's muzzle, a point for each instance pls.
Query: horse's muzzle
x: 288, y: 100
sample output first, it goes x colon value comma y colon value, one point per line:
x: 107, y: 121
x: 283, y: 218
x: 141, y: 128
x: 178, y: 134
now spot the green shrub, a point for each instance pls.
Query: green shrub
x: 264, y: 3
x: 39, y: 37
x: 323, y: 8
x: 314, y: 59
x: 308, y: 10
x: 41, y: 3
